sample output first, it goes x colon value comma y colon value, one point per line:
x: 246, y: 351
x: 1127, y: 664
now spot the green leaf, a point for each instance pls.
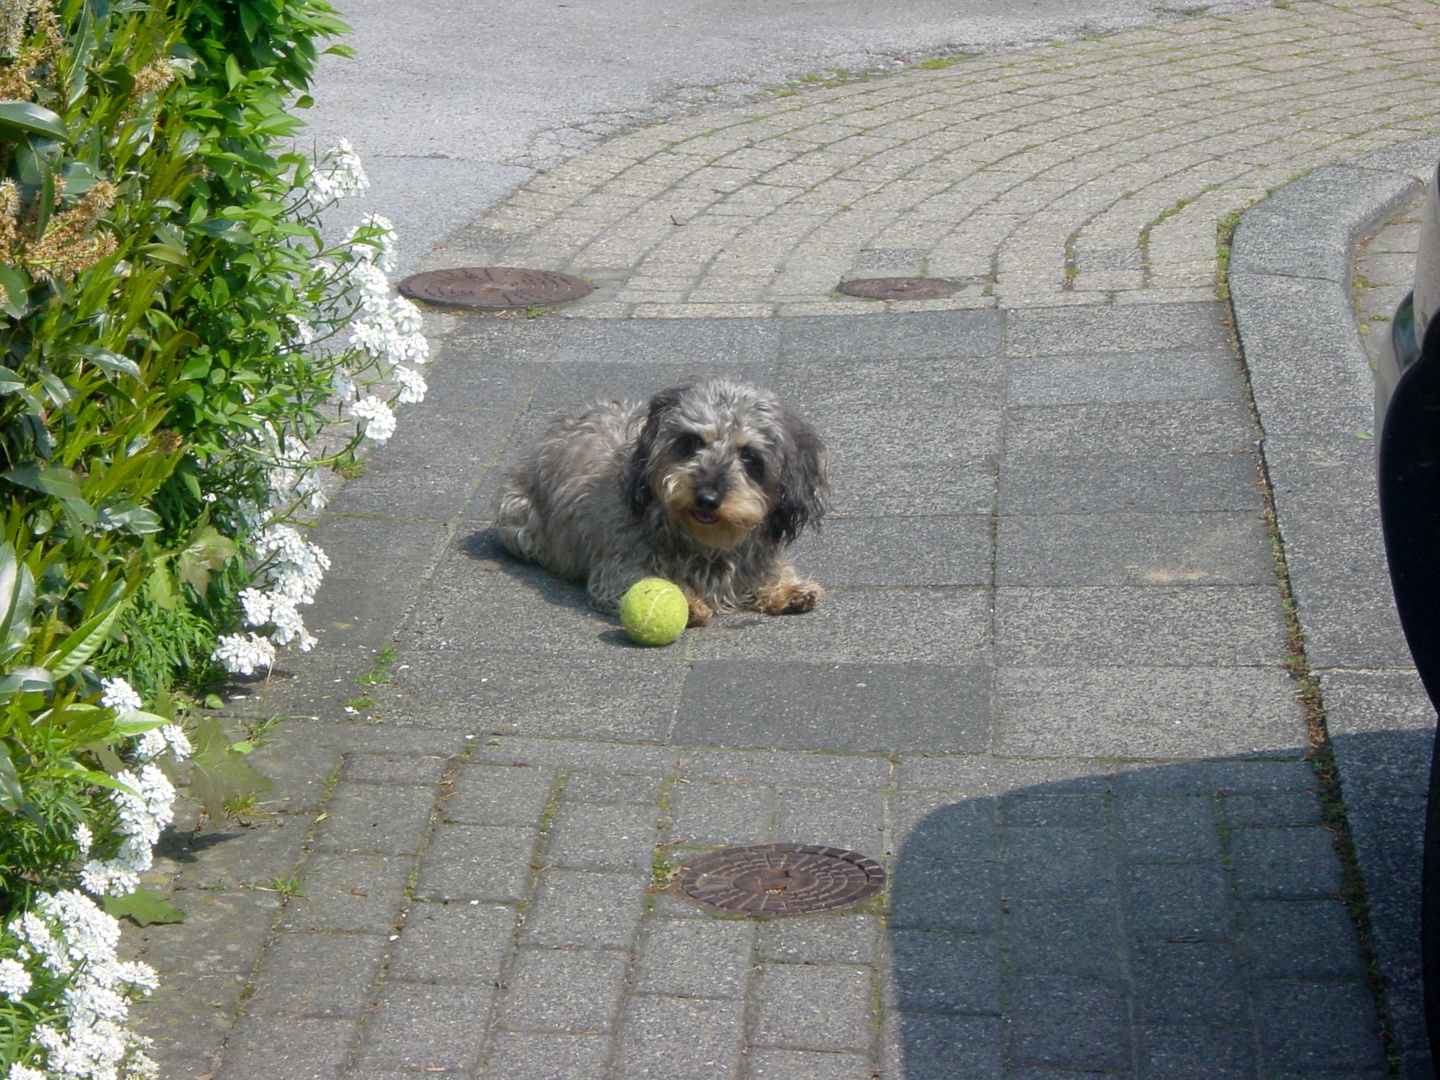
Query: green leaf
x: 166, y: 254
x: 143, y: 907
x: 12, y: 792
x: 136, y: 723
x: 77, y: 649
x: 26, y: 680
x: 10, y: 382
x: 208, y: 551
x: 17, y: 600
x: 45, y: 477
x: 17, y: 291
x: 32, y: 119
x: 111, y: 362
x: 131, y: 517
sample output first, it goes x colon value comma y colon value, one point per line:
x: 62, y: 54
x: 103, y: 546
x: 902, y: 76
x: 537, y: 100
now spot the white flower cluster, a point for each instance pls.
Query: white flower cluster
x: 120, y: 696
x: 292, y: 475
x: 293, y: 569
x: 145, y: 809
x: 69, y: 936
x: 337, y: 175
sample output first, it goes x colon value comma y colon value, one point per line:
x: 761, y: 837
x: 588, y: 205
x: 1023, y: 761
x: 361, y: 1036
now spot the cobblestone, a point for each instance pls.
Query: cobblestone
x: 1088, y: 173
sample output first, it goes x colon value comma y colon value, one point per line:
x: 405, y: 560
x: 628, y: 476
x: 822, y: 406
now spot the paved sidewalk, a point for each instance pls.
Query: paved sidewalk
x: 1047, y: 686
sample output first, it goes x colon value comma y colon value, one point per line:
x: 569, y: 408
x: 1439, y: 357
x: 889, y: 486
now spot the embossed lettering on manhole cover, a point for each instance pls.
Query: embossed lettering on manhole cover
x: 900, y: 288
x: 780, y: 879
x: 495, y: 287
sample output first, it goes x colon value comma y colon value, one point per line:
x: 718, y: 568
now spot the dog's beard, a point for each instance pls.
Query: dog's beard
x: 739, y: 514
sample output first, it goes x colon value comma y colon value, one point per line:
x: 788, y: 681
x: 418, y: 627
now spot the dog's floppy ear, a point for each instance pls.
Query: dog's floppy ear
x: 802, y: 488
x: 635, y: 479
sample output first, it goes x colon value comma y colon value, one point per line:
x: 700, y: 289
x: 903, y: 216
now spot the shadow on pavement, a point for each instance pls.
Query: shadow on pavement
x: 1178, y: 921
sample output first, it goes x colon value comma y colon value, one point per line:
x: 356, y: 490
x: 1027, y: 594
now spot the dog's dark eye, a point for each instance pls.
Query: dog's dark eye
x: 753, y: 462
x: 688, y: 445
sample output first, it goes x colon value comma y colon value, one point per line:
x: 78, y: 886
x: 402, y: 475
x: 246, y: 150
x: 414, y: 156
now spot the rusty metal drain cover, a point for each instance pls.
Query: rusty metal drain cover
x: 900, y: 288
x: 495, y: 287
x: 780, y: 879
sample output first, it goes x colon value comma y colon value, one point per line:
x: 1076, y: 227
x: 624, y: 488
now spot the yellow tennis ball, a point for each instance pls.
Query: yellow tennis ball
x: 654, y: 612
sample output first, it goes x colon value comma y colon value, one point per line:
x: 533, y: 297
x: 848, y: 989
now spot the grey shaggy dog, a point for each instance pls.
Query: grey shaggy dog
x: 705, y: 485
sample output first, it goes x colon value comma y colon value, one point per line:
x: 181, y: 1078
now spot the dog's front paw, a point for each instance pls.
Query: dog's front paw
x: 790, y: 598
x: 700, y: 611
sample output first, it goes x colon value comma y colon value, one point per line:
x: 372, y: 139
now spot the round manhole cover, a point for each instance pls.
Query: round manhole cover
x: 780, y: 879
x: 900, y: 288
x: 494, y: 287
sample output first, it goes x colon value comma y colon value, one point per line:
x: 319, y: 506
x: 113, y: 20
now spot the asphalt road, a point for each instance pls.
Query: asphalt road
x: 452, y: 103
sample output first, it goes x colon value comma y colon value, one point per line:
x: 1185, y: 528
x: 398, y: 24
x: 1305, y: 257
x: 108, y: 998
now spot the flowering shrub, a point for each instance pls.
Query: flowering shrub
x: 175, y: 338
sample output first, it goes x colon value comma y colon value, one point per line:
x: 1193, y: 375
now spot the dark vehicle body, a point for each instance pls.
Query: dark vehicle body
x: 1407, y: 430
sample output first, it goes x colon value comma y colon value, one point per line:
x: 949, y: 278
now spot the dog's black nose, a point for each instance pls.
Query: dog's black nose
x: 708, y: 500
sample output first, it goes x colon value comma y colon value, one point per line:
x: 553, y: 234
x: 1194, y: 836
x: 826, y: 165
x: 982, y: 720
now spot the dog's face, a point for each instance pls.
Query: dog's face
x: 724, y: 460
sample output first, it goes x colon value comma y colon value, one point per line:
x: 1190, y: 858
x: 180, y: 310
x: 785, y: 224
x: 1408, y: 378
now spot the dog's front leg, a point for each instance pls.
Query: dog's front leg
x: 787, y: 593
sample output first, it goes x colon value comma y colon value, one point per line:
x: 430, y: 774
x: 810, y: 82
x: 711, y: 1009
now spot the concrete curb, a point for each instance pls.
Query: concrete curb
x: 1289, y: 278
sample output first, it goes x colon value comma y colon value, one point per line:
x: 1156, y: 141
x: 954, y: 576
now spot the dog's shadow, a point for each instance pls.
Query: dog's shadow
x: 484, y: 547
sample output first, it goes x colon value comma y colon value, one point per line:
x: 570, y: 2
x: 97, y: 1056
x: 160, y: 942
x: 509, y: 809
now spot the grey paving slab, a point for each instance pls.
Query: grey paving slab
x: 842, y: 339
x: 1314, y: 1026
x: 808, y: 1065
x: 589, y: 836
x: 897, y: 552
x: 1304, y: 939
x: 1183, y: 1052
x: 915, y: 487
x: 566, y: 386
x: 469, y: 379
x: 364, y: 819
x: 930, y: 1044
x: 272, y: 847
x: 1145, y: 713
x: 830, y: 386
x: 1102, y: 484
x: 830, y: 938
x: 477, y: 862
x: 498, y: 795
x: 949, y: 626
x: 813, y: 769
x: 1055, y: 331
x: 426, y: 1028
x: 519, y: 1055
x: 695, y: 958
x: 731, y: 341
x: 676, y: 1038
x: 1060, y: 1022
x: 267, y: 1048
x: 576, y: 991
x: 636, y: 789
x: 460, y: 943
x: 1222, y: 548
x: 422, y: 769
x: 816, y: 1007
x: 1069, y: 936
x: 1148, y: 626
x: 843, y: 819
x: 936, y: 971
x: 1189, y: 983
x: 1190, y: 427
x: 505, y: 340
x: 1178, y: 901
x: 1153, y: 375
x: 709, y: 813
x: 350, y: 612
x: 585, y: 909
x: 626, y: 693
x: 320, y: 975
x: 348, y: 893
x: 835, y: 706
